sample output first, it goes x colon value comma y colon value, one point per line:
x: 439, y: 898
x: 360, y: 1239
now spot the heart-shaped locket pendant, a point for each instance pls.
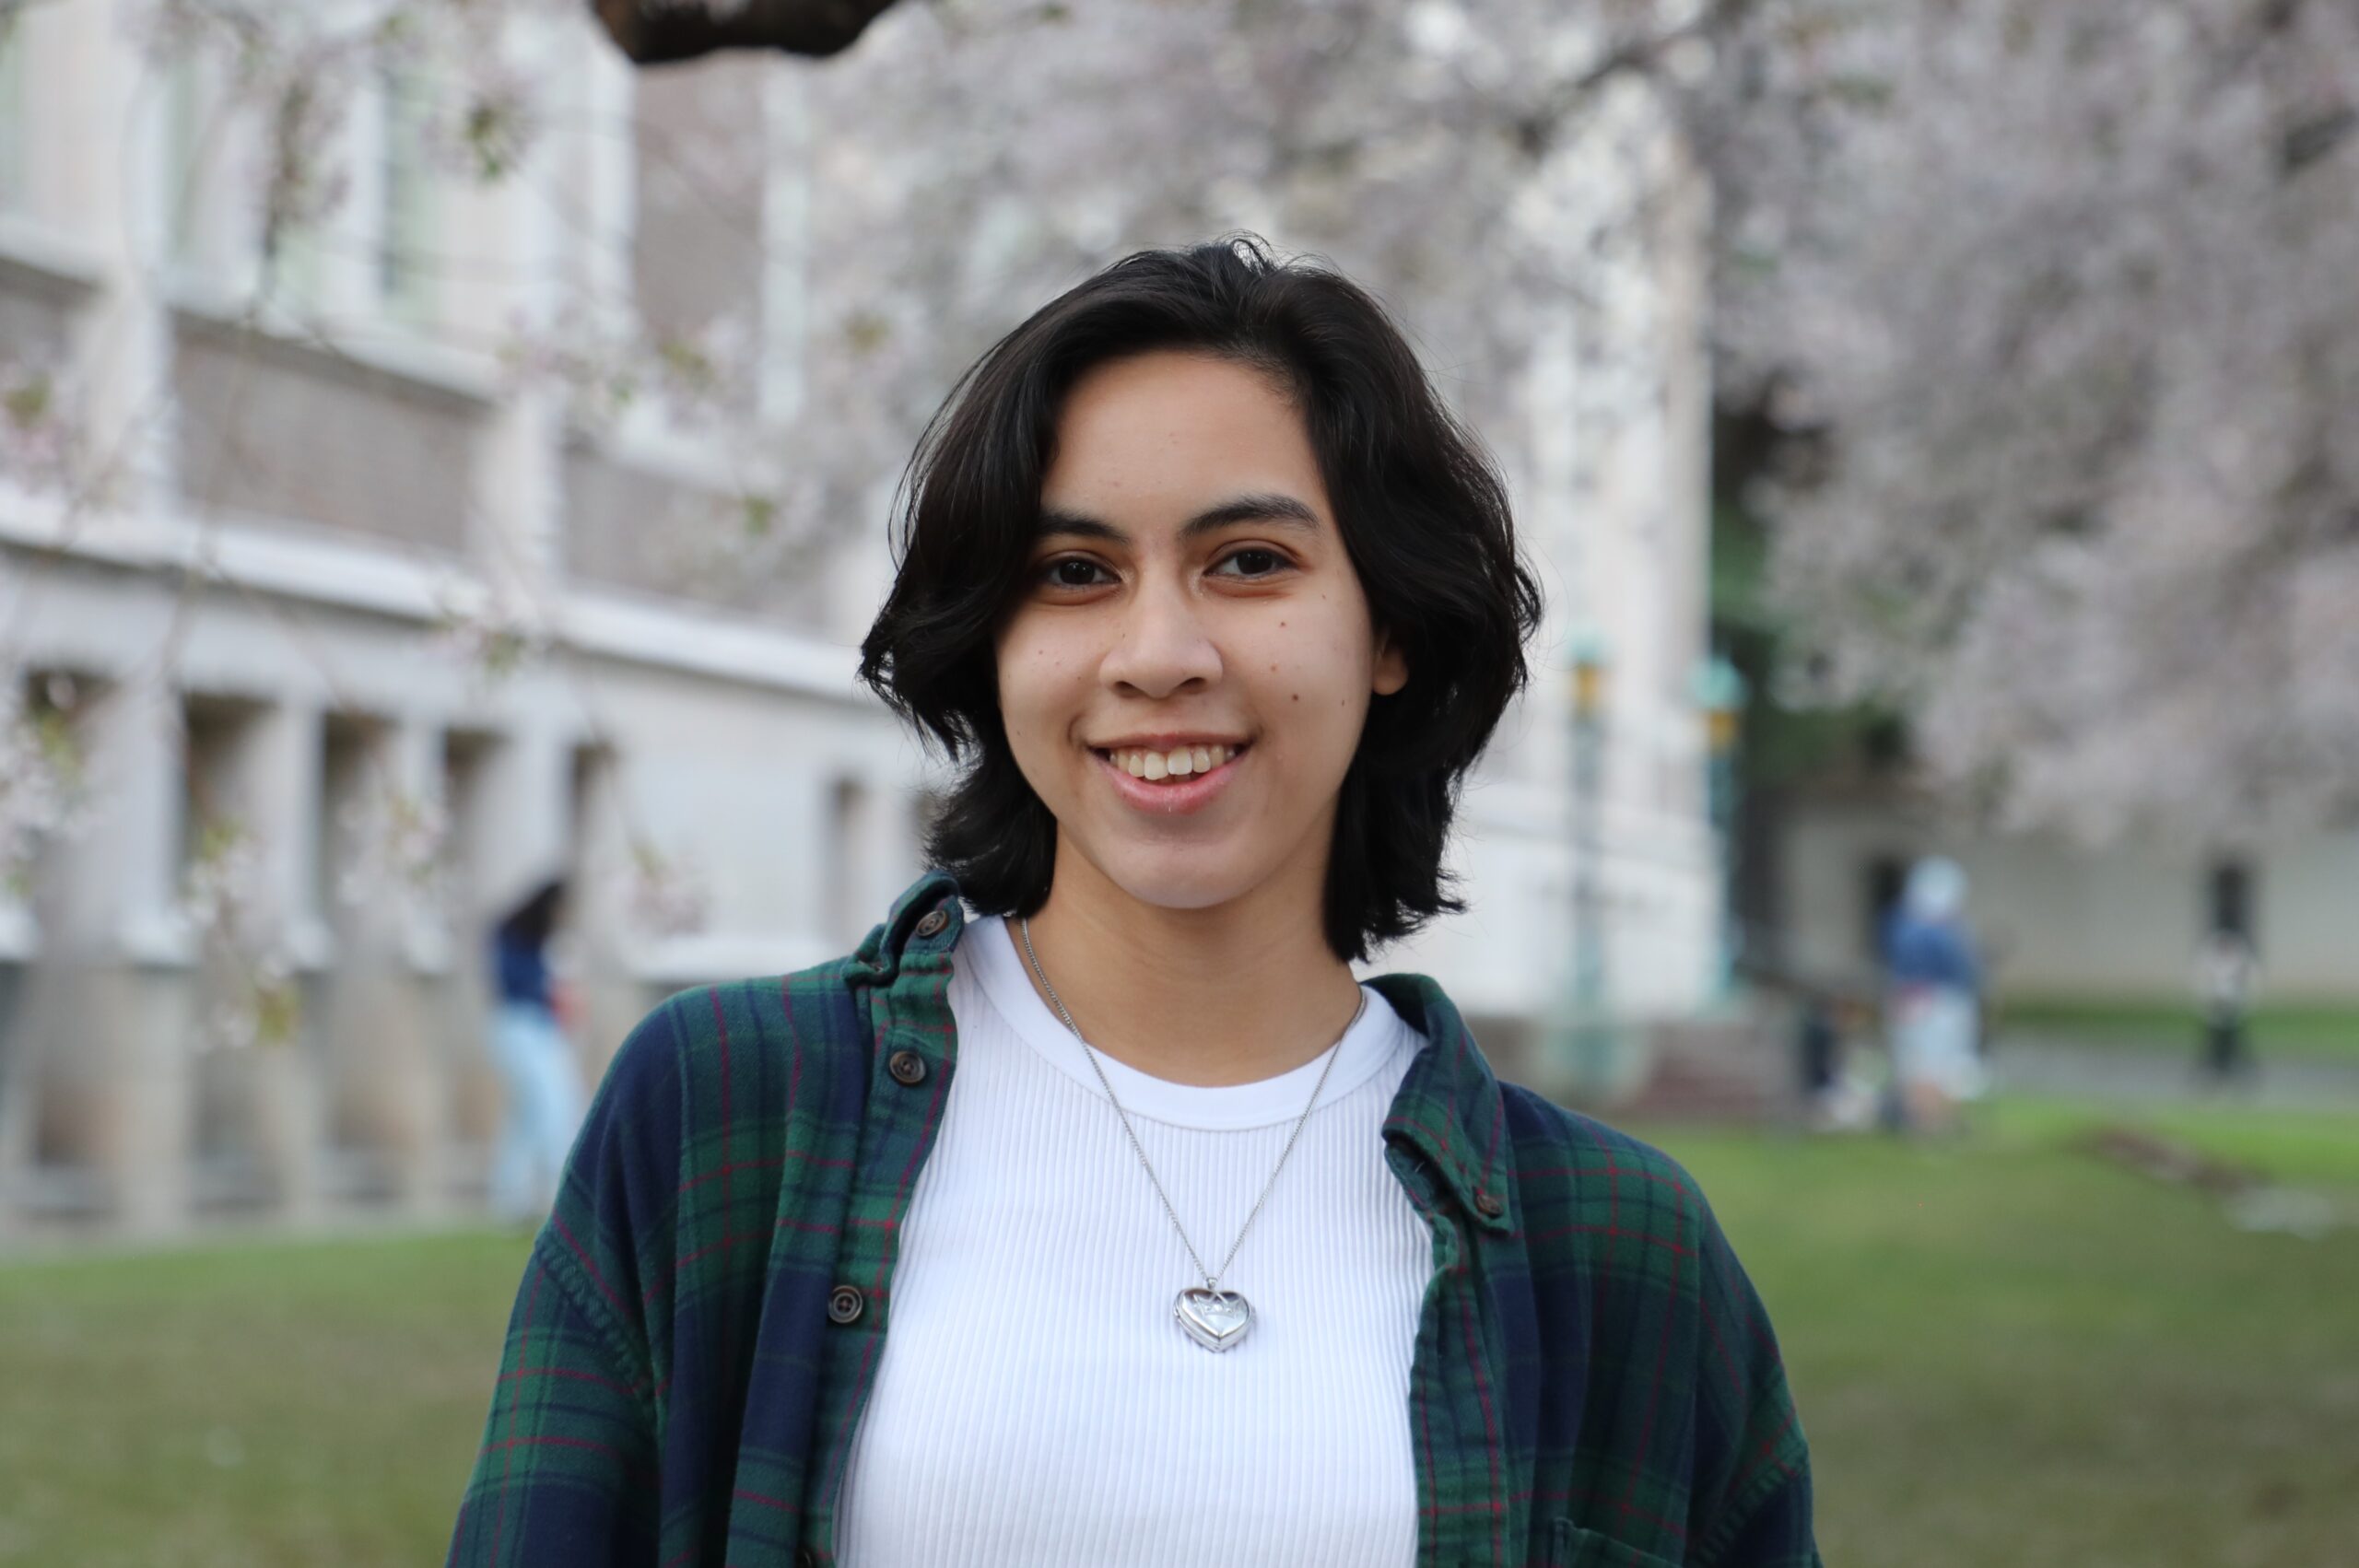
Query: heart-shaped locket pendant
x: 1214, y: 1319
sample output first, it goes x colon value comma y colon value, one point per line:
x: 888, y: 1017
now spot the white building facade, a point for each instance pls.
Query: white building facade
x: 260, y: 643
x: 2059, y: 921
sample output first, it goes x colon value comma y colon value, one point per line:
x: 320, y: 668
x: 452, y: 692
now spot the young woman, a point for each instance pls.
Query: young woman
x: 1091, y: 1212
x: 536, y: 1063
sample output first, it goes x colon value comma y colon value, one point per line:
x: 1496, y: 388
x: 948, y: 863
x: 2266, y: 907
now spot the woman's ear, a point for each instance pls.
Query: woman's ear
x: 1391, y: 666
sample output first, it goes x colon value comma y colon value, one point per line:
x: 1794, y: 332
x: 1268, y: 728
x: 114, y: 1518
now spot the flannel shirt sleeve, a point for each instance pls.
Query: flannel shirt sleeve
x: 1751, y: 1505
x: 567, y: 1475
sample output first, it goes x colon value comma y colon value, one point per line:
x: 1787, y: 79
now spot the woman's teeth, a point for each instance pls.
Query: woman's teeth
x: 1176, y: 763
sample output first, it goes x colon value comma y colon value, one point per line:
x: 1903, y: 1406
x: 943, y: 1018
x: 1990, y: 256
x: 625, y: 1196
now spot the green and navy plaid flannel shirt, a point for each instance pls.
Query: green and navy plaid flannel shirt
x: 1595, y: 1384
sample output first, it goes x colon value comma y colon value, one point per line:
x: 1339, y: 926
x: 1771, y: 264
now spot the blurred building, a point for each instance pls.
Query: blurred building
x: 2064, y: 922
x: 1593, y: 866
x: 272, y: 647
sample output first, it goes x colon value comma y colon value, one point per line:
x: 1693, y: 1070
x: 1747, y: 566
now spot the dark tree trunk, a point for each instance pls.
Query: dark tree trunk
x: 652, y: 32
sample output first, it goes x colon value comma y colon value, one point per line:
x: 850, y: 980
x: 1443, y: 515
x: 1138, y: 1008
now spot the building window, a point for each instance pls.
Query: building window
x: 215, y: 838
x: 201, y: 144
x: 409, y: 208
x: 2229, y: 899
x: 294, y: 263
x: 1883, y: 746
x: 1886, y: 876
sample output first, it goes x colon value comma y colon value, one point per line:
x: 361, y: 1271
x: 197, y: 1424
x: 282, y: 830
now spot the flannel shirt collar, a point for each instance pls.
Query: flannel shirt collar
x: 1448, y: 1111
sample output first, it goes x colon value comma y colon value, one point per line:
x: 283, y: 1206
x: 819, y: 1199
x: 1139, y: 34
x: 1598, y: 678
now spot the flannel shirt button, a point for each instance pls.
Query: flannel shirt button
x: 908, y: 1068
x: 932, y: 924
x: 1491, y: 1205
x: 845, y: 1304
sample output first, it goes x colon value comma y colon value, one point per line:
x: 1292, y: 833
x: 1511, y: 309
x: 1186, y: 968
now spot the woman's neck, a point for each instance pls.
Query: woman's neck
x: 1231, y: 994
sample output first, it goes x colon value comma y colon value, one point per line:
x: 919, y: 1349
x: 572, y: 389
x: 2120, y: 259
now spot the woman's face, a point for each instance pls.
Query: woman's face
x: 1188, y: 589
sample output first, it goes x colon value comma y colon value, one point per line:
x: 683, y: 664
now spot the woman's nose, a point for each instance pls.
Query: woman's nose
x: 1161, y: 644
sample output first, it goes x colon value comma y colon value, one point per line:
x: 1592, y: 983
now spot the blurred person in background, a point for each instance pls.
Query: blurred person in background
x: 1933, y: 998
x: 1818, y: 1041
x: 2225, y: 966
x: 1092, y: 1214
x: 536, y: 1060
x: 1839, y: 1091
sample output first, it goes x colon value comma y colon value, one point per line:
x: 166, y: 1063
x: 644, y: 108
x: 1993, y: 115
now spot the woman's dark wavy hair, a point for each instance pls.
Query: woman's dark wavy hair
x: 1424, y: 522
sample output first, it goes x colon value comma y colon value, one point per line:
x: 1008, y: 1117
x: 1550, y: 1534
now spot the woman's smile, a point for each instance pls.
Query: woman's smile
x: 1153, y: 780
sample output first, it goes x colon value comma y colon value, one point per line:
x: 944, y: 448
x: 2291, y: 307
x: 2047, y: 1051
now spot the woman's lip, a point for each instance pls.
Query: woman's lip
x: 1169, y: 740
x: 1190, y: 794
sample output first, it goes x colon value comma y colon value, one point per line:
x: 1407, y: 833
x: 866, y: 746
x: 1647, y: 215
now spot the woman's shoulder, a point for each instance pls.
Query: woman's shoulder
x: 800, y: 1040
x: 730, y: 1041
x: 1584, y: 1182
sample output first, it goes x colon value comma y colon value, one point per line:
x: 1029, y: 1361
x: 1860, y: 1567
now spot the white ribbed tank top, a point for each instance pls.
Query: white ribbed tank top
x: 1035, y: 1406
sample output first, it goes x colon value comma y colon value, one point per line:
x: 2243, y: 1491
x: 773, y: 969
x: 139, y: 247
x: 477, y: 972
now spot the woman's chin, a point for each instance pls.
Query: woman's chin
x: 1177, y: 877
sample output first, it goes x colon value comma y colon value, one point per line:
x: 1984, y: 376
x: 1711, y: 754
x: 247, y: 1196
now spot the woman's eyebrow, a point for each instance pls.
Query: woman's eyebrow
x: 1283, y: 511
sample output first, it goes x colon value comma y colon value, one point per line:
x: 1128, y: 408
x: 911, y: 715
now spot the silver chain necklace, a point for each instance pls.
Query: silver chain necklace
x: 1215, y: 1319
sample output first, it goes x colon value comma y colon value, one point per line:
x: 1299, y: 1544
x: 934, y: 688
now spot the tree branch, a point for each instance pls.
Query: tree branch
x: 1537, y: 130
x: 656, y: 32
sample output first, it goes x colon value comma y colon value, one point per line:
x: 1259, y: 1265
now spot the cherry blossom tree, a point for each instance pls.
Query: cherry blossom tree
x: 2051, y: 299
x: 2056, y: 303
x: 2052, y: 302
x: 1432, y: 152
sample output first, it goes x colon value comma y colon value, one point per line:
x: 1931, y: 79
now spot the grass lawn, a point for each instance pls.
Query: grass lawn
x: 2005, y: 1353
x: 2290, y: 1032
x: 266, y: 1405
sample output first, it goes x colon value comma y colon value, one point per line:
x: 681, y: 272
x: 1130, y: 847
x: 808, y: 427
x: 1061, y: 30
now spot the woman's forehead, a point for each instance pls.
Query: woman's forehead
x: 1181, y: 443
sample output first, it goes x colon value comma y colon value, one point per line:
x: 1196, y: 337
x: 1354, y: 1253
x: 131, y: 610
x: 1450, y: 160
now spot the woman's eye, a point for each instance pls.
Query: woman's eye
x: 1056, y: 573
x: 1274, y: 562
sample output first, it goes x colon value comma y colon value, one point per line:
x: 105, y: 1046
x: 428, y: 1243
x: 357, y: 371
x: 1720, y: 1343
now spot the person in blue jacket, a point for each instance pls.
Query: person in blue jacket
x: 1934, y: 997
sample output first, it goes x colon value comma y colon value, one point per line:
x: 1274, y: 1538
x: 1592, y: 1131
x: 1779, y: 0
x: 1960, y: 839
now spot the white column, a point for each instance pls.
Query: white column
x: 599, y: 915
x: 515, y: 266
x: 521, y: 798
x: 527, y: 787
x: 518, y: 495
x: 104, y: 1025
x: 103, y: 182
x: 448, y: 954
x: 278, y: 791
x: 387, y: 1085
x: 610, y: 167
x: 280, y: 803
x: 413, y: 765
x: 786, y: 230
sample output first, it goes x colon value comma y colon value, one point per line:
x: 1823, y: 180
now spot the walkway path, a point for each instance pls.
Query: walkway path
x: 2050, y: 1066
